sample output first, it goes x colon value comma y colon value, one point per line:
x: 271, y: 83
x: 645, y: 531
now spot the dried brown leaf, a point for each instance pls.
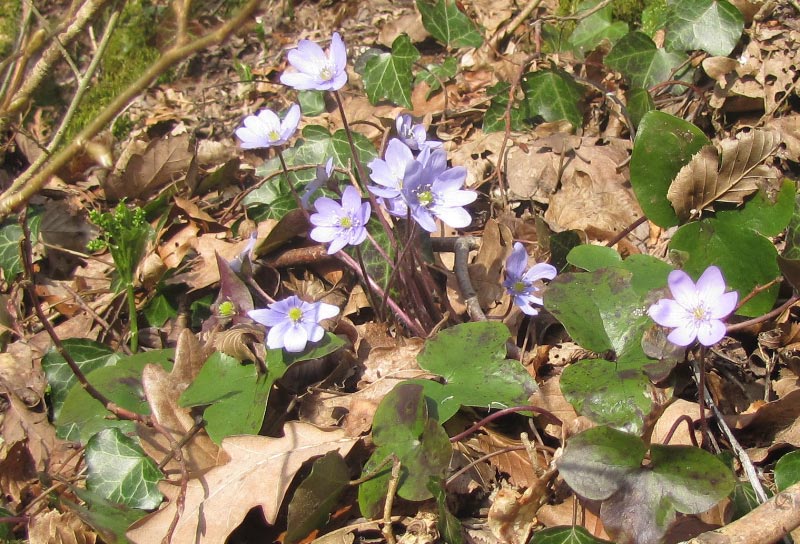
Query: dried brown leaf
x: 54, y: 527
x: 258, y: 474
x: 740, y: 173
x: 144, y: 173
x: 513, y: 515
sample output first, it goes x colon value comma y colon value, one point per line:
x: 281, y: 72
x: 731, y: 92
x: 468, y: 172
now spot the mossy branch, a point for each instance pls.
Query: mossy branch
x: 19, y: 193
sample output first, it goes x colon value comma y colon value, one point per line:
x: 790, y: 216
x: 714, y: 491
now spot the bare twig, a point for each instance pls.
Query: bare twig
x: 500, y: 413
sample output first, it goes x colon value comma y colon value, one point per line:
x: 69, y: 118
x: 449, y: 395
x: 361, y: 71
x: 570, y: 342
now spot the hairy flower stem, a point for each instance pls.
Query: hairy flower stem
x: 413, y: 326
x: 290, y: 182
x: 701, y: 370
x: 362, y: 175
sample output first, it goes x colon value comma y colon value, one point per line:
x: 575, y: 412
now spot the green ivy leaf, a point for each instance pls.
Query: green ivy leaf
x: 312, y: 103
x: 402, y: 427
x: 388, y: 76
x: 596, y: 28
x: 494, y: 120
x: 82, y: 416
x: 87, y: 354
x: 449, y: 25
x: 714, y: 26
x: 553, y: 95
x: 111, y: 520
x: 159, y: 310
x: 639, y: 102
x: 638, y: 58
x: 436, y: 74
x: 663, y: 145
x: 485, y: 378
x: 10, y: 256
x: 119, y: 470
x: 565, y: 535
x: 317, y: 496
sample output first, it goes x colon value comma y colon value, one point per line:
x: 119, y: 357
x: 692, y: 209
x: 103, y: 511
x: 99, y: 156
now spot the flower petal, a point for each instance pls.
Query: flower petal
x: 710, y: 332
x: 295, y: 339
x: 722, y: 306
x: 323, y: 234
x: 338, y: 52
x: 668, y: 313
x: 290, y: 122
x: 682, y: 288
x: 299, y: 81
x: 517, y: 262
x: 683, y: 336
x: 458, y: 218
x: 540, y: 271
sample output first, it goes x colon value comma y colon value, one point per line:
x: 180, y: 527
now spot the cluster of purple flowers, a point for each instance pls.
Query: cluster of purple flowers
x: 413, y: 180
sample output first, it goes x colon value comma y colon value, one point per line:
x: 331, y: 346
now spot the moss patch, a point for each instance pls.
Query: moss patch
x: 130, y: 52
x: 10, y: 13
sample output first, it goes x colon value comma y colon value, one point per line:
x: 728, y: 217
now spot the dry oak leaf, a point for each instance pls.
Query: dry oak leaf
x: 258, y: 473
x: 728, y: 175
x: 54, y: 527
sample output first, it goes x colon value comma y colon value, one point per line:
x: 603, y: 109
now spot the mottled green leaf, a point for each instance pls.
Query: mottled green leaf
x: 110, y: 519
x: 119, y: 470
x: 787, y: 470
x: 565, y: 535
x: 448, y: 24
x: 10, y: 256
x: 436, y: 74
x: 644, y: 64
x: 494, y: 120
x: 596, y: 28
x: 714, y: 26
x: 312, y: 103
x: 159, y: 310
x: 388, y: 76
x: 639, y: 102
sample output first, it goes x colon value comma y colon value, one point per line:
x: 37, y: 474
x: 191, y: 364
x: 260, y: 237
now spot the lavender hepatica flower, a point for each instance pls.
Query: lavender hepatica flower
x: 314, y: 70
x: 521, y: 282
x: 340, y: 224
x: 432, y: 190
x: 389, y: 174
x: 696, y: 311
x: 324, y: 173
x: 266, y: 130
x: 293, y: 322
x: 245, y: 255
x: 414, y: 135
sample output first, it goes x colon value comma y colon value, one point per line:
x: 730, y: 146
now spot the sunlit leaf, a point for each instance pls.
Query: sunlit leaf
x: 714, y: 26
x: 553, y: 95
x: 119, y: 470
x: 565, y: 535
x: 787, y: 470
x: 596, y: 28
x: 448, y: 24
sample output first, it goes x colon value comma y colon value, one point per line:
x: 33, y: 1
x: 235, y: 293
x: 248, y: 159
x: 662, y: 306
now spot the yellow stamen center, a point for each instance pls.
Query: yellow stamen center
x: 426, y: 198
x: 345, y: 222
x: 274, y: 136
x: 296, y: 314
x: 326, y: 73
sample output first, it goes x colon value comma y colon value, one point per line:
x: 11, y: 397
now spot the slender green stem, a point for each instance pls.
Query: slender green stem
x: 370, y: 292
x: 132, y: 317
x: 289, y: 180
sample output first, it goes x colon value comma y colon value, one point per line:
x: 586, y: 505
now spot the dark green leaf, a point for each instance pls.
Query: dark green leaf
x: 82, y: 416
x: 714, y: 26
x: 664, y: 144
x: 436, y: 74
x: 159, y: 310
x: 448, y: 525
x: 743, y: 499
x: 10, y: 256
x: 317, y: 496
x: 482, y: 378
x: 87, y: 354
x: 693, y: 479
x: 109, y: 519
x: 553, y: 95
x: 638, y: 58
x: 312, y: 103
x: 388, y: 76
x: 236, y: 394
x: 448, y: 24
x: 639, y: 102
x: 119, y: 470
x: 402, y: 427
x: 595, y: 462
x: 494, y: 119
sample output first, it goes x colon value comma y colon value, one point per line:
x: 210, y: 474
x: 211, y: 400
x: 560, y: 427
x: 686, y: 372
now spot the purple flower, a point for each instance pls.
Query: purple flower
x: 697, y: 310
x: 432, y: 190
x: 324, y: 173
x: 266, y: 130
x: 414, y: 136
x: 293, y: 322
x: 521, y: 283
x: 245, y: 255
x: 340, y: 224
x: 389, y: 174
x: 314, y: 70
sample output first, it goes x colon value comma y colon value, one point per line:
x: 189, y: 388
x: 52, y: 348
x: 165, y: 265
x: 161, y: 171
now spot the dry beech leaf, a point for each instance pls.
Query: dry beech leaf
x: 737, y: 174
x: 54, y: 527
x: 163, y: 159
x: 237, y: 340
x: 258, y: 474
x: 512, y: 516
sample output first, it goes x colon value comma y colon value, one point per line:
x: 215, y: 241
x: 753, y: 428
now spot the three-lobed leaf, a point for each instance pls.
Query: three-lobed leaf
x: 448, y: 24
x: 644, y: 64
x: 388, y: 75
x: 554, y: 95
x: 714, y: 26
x: 596, y: 28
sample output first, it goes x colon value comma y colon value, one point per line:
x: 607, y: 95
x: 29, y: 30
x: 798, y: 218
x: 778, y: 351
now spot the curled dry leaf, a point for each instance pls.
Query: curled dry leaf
x: 728, y: 175
x: 54, y: 527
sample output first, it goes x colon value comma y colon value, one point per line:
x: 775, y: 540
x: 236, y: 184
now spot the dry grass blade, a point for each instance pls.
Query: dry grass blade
x: 741, y: 172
